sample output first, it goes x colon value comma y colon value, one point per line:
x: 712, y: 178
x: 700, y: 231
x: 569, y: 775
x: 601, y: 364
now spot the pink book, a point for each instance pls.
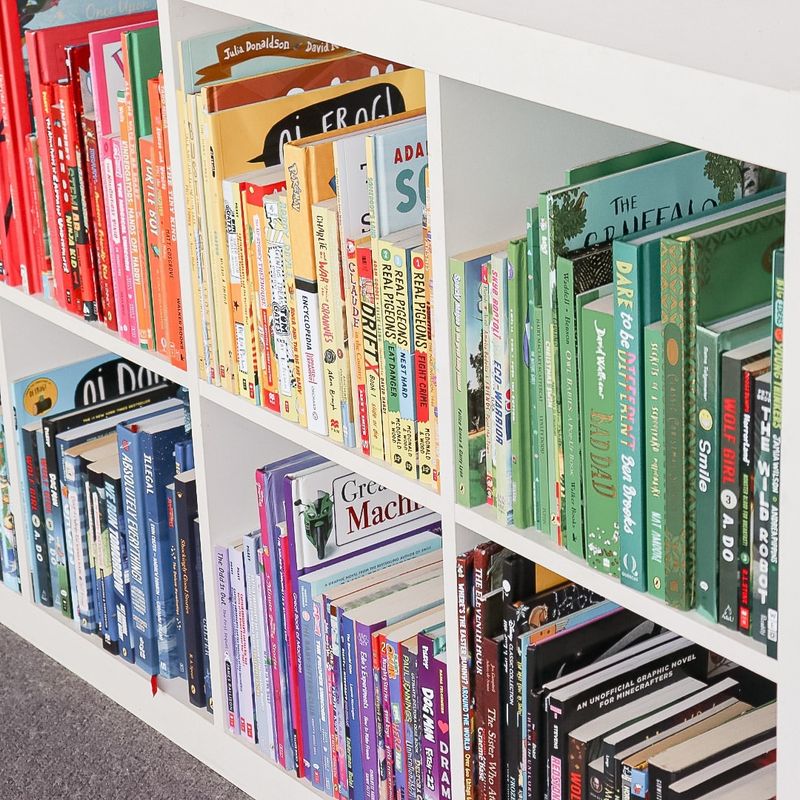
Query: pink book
x: 105, y: 60
x: 127, y: 289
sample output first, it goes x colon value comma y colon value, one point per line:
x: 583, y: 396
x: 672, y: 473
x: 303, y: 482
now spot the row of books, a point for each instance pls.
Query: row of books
x: 331, y: 629
x: 86, y: 170
x: 110, y: 506
x: 597, y: 398
x: 306, y: 190
x: 9, y: 565
x: 564, y: 694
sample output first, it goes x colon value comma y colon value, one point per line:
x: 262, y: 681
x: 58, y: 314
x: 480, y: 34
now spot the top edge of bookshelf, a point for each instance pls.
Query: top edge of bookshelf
x: 93, y: 332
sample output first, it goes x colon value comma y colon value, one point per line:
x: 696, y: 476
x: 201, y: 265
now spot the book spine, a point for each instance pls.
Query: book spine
x: 152, y: 241
x: 492, y: 681
x: 761, y: 482
x: 356, y: 339
x: 519, y: 361
x: 386, y: 313
x: 281, y: 311
x: 322, y: 660
x: 117, y: 538
x: 442, y: 729
x: 730, y: 489
x: 325, y: 255
x: 396, y: 759
x: 386, y: 753
x: 258, y: 264
x: 294, y: 322
x: 201, y: 608
x: 140, y: 558
x: 678, y: 342
x: 630, y: 443
x: 241, y: 634
x: 176, y: 581
x: 464, y: 594
x: 428, y: 685
x: 157, y: 471
x: 746, y: 499
x: 99, y: 232
x: 259, y: 647
x: 776, y: 425
x: 329, y: 694
x: 433, y: 391
x: 192, y: 591
x: 556, y: 738
x: 355, y: 773
x: 423, y: 347
x: 134, y: 205
x: 500, y: 431
x: 708, y: 454
x: 405, y: 368
x: 47, y: 519
x: 92, y: 538
x: 408, y: 664
x: 373, y: 352
x: 576, y: 763
x: 84, y: 252
x: 121, y: 159
x: 416, y: 726
x: 114, y: 228
x: 104, y: 563
x: 227, y: 644
x: 601, y: 476
x: 40, y: 275
x: 34, y: 519
x: 304, y: 274
x: 75, y: 509
x: 339, y: 702
x: 457, y: 284
x: 654, y: 460
x: 368, y: 712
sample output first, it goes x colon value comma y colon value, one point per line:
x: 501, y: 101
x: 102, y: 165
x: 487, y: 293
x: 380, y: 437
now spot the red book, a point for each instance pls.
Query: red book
x: 41, y: 271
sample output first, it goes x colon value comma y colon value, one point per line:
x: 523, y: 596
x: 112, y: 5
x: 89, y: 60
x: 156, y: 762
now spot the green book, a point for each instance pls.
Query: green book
x: 600, y: 210
x: 541, y: 496
x: 712, y: 341
x: 761, y: 488
x: 467, y: 354
x: 653, y: 410
x: 776, y: 423
x: 626, y: 161
x: 519, y: 358
x: 706, y: 273
x: 579, y: 278
x: 601, y: 478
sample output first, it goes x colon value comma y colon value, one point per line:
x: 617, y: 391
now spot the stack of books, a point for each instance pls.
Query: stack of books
x: 331, y: 628
x: 110, y: 507
x: 306, y: 185
x: 86, y: 168
x: 617, y: 376
x: 564, y: 694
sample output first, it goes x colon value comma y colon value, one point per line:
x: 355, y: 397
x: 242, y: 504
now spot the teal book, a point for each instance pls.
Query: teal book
x: 579, y: 279
x: 712, y: 341
x: 577, y: 216
x: 520, y: 362
x: 467, y: 356
x: 601, y: 480
x: 654, y: 456
x: 621, y: 163
x: 541, y: 505
x: 776, y: 424
x: 638, y: 289
x: 707, y: 272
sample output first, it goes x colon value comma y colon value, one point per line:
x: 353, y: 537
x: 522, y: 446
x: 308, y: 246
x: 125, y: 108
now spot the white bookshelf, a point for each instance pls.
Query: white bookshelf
x: 517, y: 92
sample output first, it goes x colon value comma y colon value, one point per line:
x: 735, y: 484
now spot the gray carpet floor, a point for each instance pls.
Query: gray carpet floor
x: 60, y: 738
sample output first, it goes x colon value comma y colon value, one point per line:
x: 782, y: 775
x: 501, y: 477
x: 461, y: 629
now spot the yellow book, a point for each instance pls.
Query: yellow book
x: 421, y: 328
x: 433, y: 413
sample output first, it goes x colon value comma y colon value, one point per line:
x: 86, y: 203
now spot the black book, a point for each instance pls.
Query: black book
x: 191, y: 590
x: 762, y: 469
x: 639, y: 730
x: 583, y: 743
x: 201, y: 607
x: 727, y: 739
x: 636, y: 675
x: 724, y: 771
x: 556, y: 658
x: 59, y: 423
x: 36, y: 520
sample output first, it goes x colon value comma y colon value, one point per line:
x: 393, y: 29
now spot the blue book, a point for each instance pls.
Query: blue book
x: 184, y: 456
x: 177, y: 583
x: 118, y: 545
x: 158, y: 437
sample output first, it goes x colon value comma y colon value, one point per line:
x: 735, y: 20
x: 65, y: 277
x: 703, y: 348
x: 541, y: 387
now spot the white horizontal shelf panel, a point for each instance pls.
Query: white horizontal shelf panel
x: 190, y: 728
x: 350, y: 459
x: 525, y: 49
x: 93, y: 332
x: 540, y: 549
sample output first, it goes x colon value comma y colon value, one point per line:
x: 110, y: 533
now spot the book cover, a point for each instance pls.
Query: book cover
x: 176, y: 580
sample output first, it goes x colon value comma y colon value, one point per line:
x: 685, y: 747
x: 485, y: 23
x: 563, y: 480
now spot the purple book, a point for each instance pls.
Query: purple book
x: 430, y: 643
x: 442, y: 726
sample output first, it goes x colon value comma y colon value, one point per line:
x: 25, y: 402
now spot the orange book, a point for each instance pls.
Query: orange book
x: 152, y: 215
x: 169, y: 229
